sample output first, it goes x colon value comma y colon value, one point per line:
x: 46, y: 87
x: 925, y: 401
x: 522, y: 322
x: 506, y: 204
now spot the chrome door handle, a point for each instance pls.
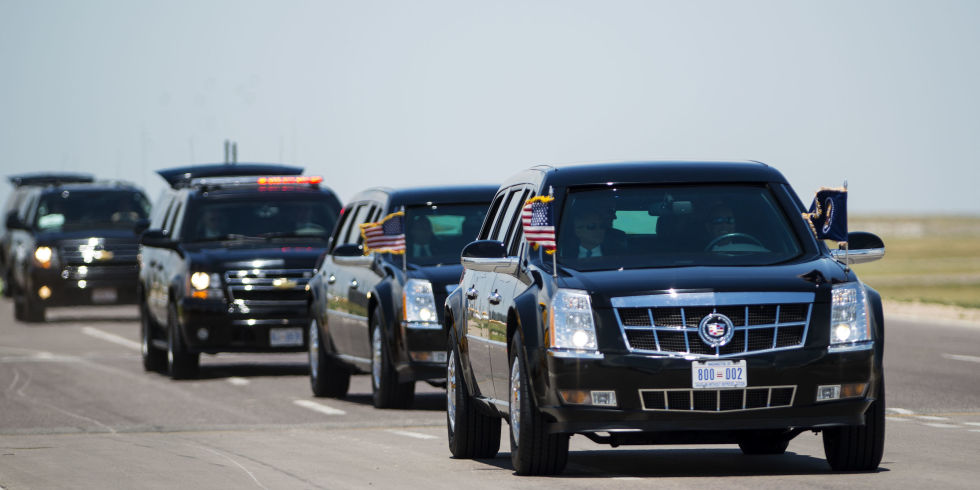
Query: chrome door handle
x: 331, y: 279
x: 353, y: 284
x: 494, y: 298
x: 471, y: 293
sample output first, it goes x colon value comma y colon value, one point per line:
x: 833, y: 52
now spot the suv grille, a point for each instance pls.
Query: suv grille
x: 726, y: 400
x: 88, y: 252
x: 666, y: 324
x: 268, y: 286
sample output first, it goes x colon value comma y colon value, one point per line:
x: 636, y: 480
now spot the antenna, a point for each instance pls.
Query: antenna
x: 234, y: 152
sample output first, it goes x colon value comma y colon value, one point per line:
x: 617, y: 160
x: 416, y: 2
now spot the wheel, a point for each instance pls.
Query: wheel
x: 181, y: 364
x: 327, y: 377
x: 763, y: 443
x: 533, y: 451
x: 27, y: 310
x: 387, y: 391
x: 858, y: 448
x: 472, y: 434
x: 153, y: 359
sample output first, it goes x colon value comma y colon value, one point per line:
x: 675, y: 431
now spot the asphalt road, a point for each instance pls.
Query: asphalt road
x: 77, y: 411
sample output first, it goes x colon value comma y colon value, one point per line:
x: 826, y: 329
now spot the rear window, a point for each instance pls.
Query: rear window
x: 670, y: 226
x: 90, y: 209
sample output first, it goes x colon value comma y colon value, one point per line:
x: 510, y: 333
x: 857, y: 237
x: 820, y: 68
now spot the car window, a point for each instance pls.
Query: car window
x: 515, y: 232
x: 285, y: 216
x: 492, y: 216
x: 353, y: 232
x: 436, y: 234
x: 669, y: 226
x: 90, y: 209
x: 501, y: 222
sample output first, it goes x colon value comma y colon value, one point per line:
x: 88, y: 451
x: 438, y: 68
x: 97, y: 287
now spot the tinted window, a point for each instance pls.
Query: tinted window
x: 667, y: 226
x: 284, y: 217
x: 437, y: 234
x: 89, y: 209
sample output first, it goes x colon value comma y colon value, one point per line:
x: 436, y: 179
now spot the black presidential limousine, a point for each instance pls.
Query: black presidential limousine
x: 684, y: 303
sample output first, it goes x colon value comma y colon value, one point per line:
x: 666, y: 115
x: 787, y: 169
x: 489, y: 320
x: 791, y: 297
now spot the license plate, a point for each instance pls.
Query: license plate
x: 104, y: 295
x: 719, y: 374
x: 283, y: 337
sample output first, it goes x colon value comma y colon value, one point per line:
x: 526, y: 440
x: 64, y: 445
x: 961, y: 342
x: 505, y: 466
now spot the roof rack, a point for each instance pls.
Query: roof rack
x: 182, y: 176
x: 210, y: 183
x: 49, y: 178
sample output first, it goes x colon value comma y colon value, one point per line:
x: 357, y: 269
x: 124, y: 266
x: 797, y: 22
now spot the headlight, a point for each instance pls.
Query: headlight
x: 205, y: 285
x: 43, y: 255
x: 572, y: 325
x: 850, y: 326
x: 200, y: 280
x: 419, y: 306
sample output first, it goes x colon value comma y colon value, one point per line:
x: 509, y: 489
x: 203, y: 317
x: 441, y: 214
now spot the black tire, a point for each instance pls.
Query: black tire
x: 760, y: 443
x: 154, y: 359
x: 181, y: 364
x: 858, y: 448
x: 8, y: 289
x: 385, y: 388
x: 327, y: 377
x: 472, y: 434
x: 27, y: 310
x: 533, y: 451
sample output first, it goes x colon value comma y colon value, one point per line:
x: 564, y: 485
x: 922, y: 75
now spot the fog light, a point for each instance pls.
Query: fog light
x: 44, y: 292
x: 82, y: 284
x: 428, y: 356
x: 574, y: 397
x: 604, y: 398
x: 852, y: 390
x: 202, y: 334
x: 842, y: 332
x: 828, y: 392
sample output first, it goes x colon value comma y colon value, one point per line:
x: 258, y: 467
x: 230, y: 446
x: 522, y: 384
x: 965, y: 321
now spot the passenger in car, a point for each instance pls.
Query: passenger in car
x: 592, y: 235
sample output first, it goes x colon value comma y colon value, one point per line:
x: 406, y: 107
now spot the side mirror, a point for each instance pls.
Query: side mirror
x: 352, y: 254
x: 488, y: 256
x: 862, y: 247
x: 13, y: 222
x: 141, y: 226
x: 156, y: 238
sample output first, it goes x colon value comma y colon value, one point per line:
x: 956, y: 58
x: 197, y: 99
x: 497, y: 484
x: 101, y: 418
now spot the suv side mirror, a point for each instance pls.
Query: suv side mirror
x: 13, y: 222
x: 488, y: 256
x: 141, y: 226
x: 352, y: 254
x: 156, y: 238
x: 862, y: 247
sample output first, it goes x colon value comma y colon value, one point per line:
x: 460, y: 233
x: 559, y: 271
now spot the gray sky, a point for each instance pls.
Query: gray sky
x: 397, y: 93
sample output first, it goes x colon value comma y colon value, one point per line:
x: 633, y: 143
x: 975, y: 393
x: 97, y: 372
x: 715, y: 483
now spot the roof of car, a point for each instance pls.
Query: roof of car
x: 49, y: 178
x: 181, y: 176
x: 432, y: 194
x: 97, y: 185
x: 650, y: 171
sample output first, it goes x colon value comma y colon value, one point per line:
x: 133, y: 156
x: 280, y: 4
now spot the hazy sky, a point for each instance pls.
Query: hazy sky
x: 883, y: 93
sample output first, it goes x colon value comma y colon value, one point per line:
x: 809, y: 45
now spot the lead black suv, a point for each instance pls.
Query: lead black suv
x: 225, y: 262
x: 377, y: 312
x: 684, y: 303
x: 71, y: 241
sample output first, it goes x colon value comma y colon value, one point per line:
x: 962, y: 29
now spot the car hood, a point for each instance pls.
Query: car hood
x: 114, y: 235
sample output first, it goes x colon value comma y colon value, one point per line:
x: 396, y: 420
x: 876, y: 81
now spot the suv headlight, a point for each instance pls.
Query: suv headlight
x: 206, y: 285
x: 419, y: 305
x: 571, y: 323
x: 850, y: 325
x: 44, y: 255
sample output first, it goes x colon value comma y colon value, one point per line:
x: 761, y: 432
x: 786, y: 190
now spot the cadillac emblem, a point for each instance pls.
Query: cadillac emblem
x: 716, y: 330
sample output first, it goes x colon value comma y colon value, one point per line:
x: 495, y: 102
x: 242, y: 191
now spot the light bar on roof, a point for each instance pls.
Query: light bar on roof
x: 310, y: 180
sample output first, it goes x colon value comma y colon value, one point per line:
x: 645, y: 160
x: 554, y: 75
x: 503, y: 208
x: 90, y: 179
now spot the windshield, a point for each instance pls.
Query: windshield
x: 670, y: 226
x: 295, y: 216
x: 436, y: 234
x: 90, y: 209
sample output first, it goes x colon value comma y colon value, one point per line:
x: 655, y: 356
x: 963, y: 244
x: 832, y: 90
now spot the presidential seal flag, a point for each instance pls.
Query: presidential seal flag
x: 385, y: 236
x: 539, y: 223
x: 828, y: 214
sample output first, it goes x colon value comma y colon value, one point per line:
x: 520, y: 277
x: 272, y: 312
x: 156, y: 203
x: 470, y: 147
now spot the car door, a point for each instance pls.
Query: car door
x: 365, y: 279
x: 151, y: 263
x: 345, y: 311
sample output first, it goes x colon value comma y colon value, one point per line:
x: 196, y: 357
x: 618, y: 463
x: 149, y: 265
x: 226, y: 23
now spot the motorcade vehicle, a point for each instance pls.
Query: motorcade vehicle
x: 225, y: 262
x: 22, y: 184
x: 376, y: 297
x: 680, y: 303
x: 72, y: 242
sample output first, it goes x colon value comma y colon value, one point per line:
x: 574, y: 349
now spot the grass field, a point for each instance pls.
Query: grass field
x: 932, y: 259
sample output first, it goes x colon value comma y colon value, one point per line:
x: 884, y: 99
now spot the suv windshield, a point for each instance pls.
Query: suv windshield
x: 90, y: 209
x: 671, y: 226
x: 436, y: 234
x: 306, y: 216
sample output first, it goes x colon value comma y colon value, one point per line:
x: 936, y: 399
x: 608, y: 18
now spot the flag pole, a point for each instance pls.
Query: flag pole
x: 847, y: 246
x: 554, y: 253
x: 405, y: 232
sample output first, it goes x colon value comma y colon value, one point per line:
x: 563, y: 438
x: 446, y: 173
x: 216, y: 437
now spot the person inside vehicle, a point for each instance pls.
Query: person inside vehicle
x: 592, y: 229
x: 721, y: 221
x: 210, y: 225
x: 421, y: 237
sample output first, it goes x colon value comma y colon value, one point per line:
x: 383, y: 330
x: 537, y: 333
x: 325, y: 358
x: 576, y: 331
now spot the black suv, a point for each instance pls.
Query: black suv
x: 71, y: 241
x: 225, y: 262
x: 376, y: 311
x: 683, y: 303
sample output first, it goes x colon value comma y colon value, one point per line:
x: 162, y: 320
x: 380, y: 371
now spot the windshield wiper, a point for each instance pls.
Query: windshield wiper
x: 229, y: 236
x: 291, y: 234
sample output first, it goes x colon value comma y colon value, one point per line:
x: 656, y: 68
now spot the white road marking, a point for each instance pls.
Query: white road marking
x: 958, y: 357
x: 111, y: 337
x: 319, y: 407
x: 942, y: 426
x: 899, y: 411
x: 974, y: 430
x: 927, y: 417
x: 628, y: 478
x: 896, y: 419
x: 238, y: 381
x: 976, y: 424
x: 416, y: 435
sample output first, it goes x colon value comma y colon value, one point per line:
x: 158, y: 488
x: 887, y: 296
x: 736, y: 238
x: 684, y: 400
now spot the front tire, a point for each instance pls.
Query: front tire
x: 533, y: 451
x: 385, y: 388
x: 858, y: 448
x: 28, y: 310
x: 153, y: 359
x: 472, y: 434
x: 181, y: 364
x: 327, y: 377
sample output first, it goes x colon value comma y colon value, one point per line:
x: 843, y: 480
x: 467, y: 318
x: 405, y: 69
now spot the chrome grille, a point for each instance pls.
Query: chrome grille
x: 92, y: 251
x: 722, y: 400
x: 254, y: 287
x: 668, y: 324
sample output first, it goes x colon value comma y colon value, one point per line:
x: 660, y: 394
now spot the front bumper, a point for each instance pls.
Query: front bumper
x: 631, y: 376
x: 423, y: 353
x: 232, y: 328
x: 92, y: 285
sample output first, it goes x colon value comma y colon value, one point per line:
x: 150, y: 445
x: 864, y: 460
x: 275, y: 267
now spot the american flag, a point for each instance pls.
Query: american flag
x: 386, y: 236
x: 539, y: 223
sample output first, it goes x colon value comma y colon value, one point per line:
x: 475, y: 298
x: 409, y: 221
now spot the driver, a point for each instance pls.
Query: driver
x: 721, y: 221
